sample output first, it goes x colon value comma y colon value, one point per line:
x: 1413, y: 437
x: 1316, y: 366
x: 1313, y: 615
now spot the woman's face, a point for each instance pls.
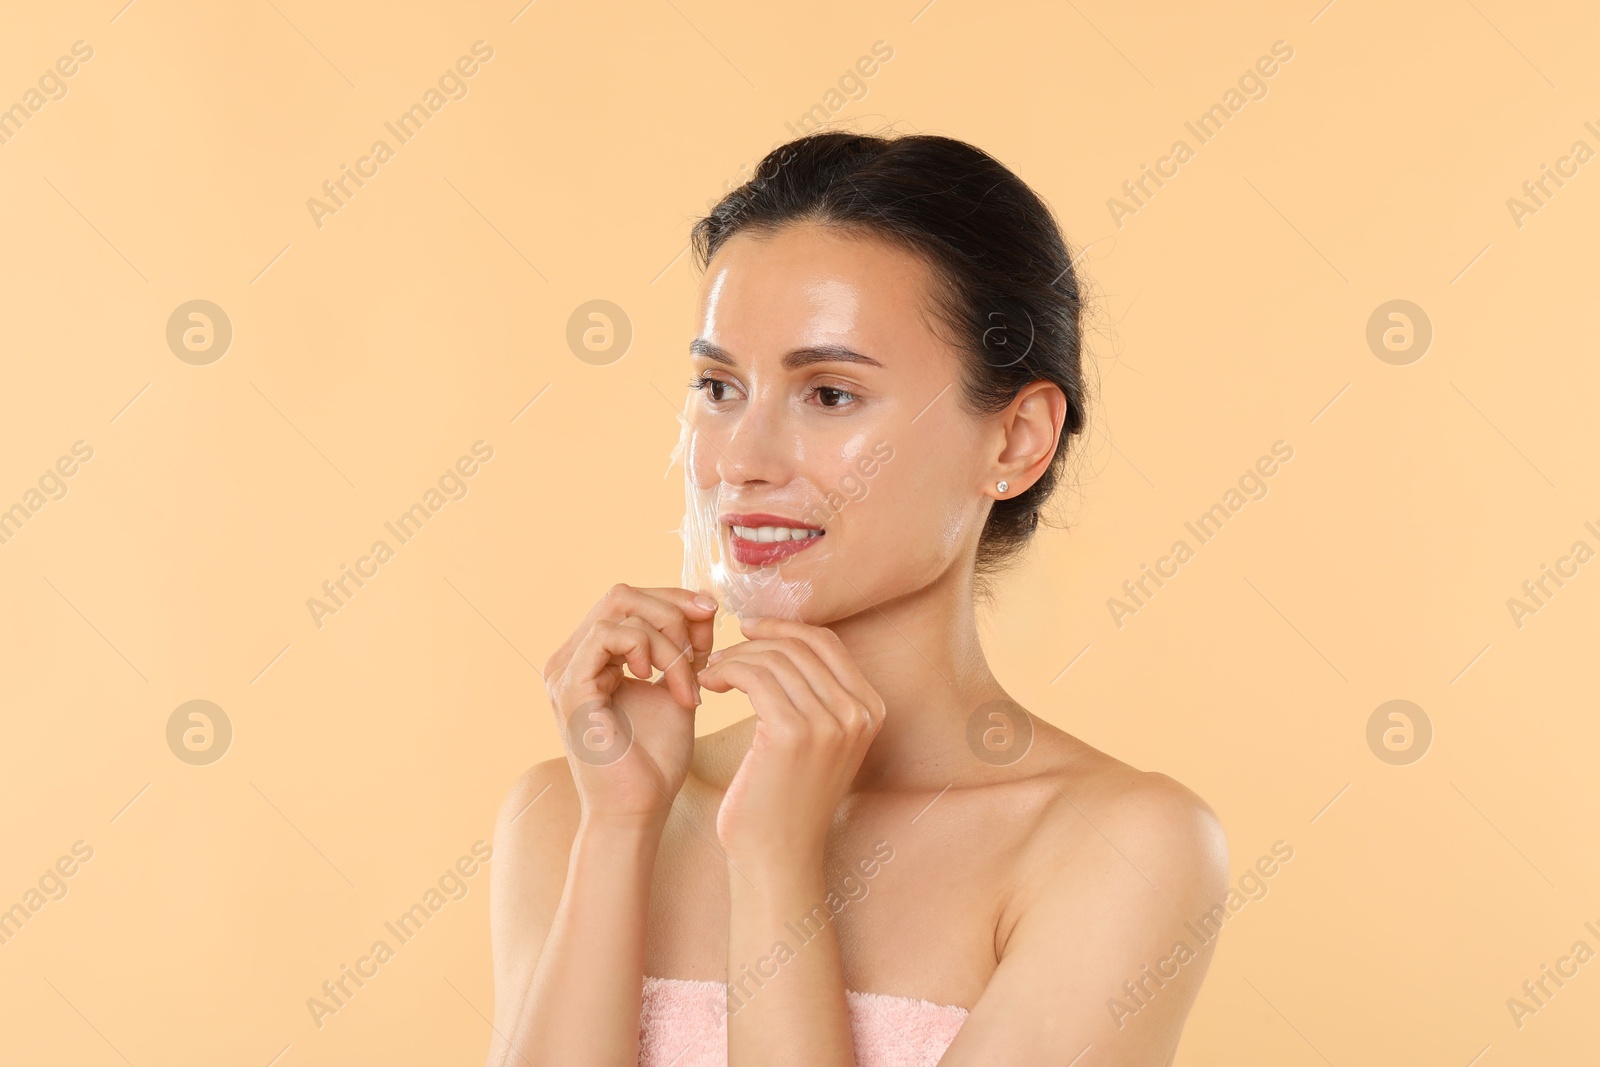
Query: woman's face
x: 826, y: 412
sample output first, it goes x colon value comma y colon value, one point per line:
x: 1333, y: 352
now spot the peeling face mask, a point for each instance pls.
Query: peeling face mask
x: 749, y: 578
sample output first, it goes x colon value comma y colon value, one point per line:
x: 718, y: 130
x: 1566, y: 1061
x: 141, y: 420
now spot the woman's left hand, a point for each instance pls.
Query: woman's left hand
x: 815, y: 717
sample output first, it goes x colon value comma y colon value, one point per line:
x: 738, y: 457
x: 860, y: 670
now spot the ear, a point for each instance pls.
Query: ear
x: 1032, y: 425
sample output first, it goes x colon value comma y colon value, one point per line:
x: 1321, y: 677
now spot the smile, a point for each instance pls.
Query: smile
x: 760, y: 540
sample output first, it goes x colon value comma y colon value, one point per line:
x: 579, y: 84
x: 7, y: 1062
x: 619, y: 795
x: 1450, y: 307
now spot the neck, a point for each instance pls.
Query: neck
x: 922, y: 654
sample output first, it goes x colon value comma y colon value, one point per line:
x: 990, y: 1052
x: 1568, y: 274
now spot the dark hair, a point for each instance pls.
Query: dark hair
x: 1005, y: 281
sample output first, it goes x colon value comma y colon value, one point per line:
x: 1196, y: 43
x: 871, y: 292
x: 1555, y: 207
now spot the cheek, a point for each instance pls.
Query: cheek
x: 936, y: 517
x: 912, y: 508
x: 700, y: 458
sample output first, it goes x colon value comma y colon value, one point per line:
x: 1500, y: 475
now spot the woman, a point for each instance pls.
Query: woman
x: 890, y: 862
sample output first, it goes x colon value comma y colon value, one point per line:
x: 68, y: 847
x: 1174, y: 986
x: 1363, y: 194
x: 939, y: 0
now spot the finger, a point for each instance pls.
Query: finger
x: 620, y: 601
x: 673, y: 612
x: 600, y: 652
x: 678, y: 672
x: 684, y: 599
x: 700, y: 611
x: 826, y: 644
x: 803, y: 667
x: 668, y: 610
x: 794, y: 682
x: 610, y: 644
x: 671, y: 660
x: 702, y: 635
x: 767, y: 696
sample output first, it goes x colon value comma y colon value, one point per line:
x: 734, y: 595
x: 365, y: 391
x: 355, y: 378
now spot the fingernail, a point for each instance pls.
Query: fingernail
x: 703, y: 601
x: 713, y: 657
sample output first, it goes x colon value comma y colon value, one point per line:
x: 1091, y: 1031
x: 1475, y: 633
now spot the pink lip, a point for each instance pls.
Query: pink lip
x: 764, y: 553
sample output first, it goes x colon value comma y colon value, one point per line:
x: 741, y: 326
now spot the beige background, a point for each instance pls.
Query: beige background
x: 368, y: 354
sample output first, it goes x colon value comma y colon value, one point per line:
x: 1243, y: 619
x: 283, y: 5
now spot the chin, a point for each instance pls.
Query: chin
x: 754, y: 592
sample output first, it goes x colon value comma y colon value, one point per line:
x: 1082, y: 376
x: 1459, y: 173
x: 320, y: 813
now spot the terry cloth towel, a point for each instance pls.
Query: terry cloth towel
x: 684, y: 1024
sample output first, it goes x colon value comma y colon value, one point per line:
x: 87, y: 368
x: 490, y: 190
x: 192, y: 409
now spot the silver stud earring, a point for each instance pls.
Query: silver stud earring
x: 1001, y: 487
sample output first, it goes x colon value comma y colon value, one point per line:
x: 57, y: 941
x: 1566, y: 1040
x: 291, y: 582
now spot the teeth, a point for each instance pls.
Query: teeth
x: 774, y: 533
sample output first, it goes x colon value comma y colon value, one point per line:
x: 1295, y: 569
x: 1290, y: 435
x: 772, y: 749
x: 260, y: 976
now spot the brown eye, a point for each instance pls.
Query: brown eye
x: 710, y: 385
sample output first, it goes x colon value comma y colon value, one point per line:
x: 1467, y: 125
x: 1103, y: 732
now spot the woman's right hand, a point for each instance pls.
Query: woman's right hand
x: 629, y: 740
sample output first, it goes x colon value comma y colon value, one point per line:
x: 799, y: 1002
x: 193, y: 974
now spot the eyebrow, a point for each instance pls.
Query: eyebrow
x: 794, y: 360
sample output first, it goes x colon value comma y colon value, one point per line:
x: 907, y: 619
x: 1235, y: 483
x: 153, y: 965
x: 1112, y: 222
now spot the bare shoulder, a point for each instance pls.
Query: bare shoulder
x: 533, y: 835
x: 1161, y: 831
x: 540, y: 802
x: 1095, y: 948
x: 1171, y: 830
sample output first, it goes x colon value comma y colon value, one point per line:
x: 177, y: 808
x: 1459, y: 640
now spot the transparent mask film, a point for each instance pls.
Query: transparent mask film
x: 743, y: 590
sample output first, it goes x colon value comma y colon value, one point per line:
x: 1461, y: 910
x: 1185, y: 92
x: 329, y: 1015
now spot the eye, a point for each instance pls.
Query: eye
x: 830, y: 396
x: 710, y: 386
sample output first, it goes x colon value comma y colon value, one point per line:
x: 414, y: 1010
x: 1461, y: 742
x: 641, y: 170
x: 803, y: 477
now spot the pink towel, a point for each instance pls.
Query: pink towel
x: 684, y: 1024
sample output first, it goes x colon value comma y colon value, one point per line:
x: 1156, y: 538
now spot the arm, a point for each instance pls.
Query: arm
x: 570, y: 899
x: 569, y: 957
x: 786, y: 995
x: 816, y: 716
x: 1118, y: 989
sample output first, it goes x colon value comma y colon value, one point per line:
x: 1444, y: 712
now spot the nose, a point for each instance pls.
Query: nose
x: 755, y: 445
